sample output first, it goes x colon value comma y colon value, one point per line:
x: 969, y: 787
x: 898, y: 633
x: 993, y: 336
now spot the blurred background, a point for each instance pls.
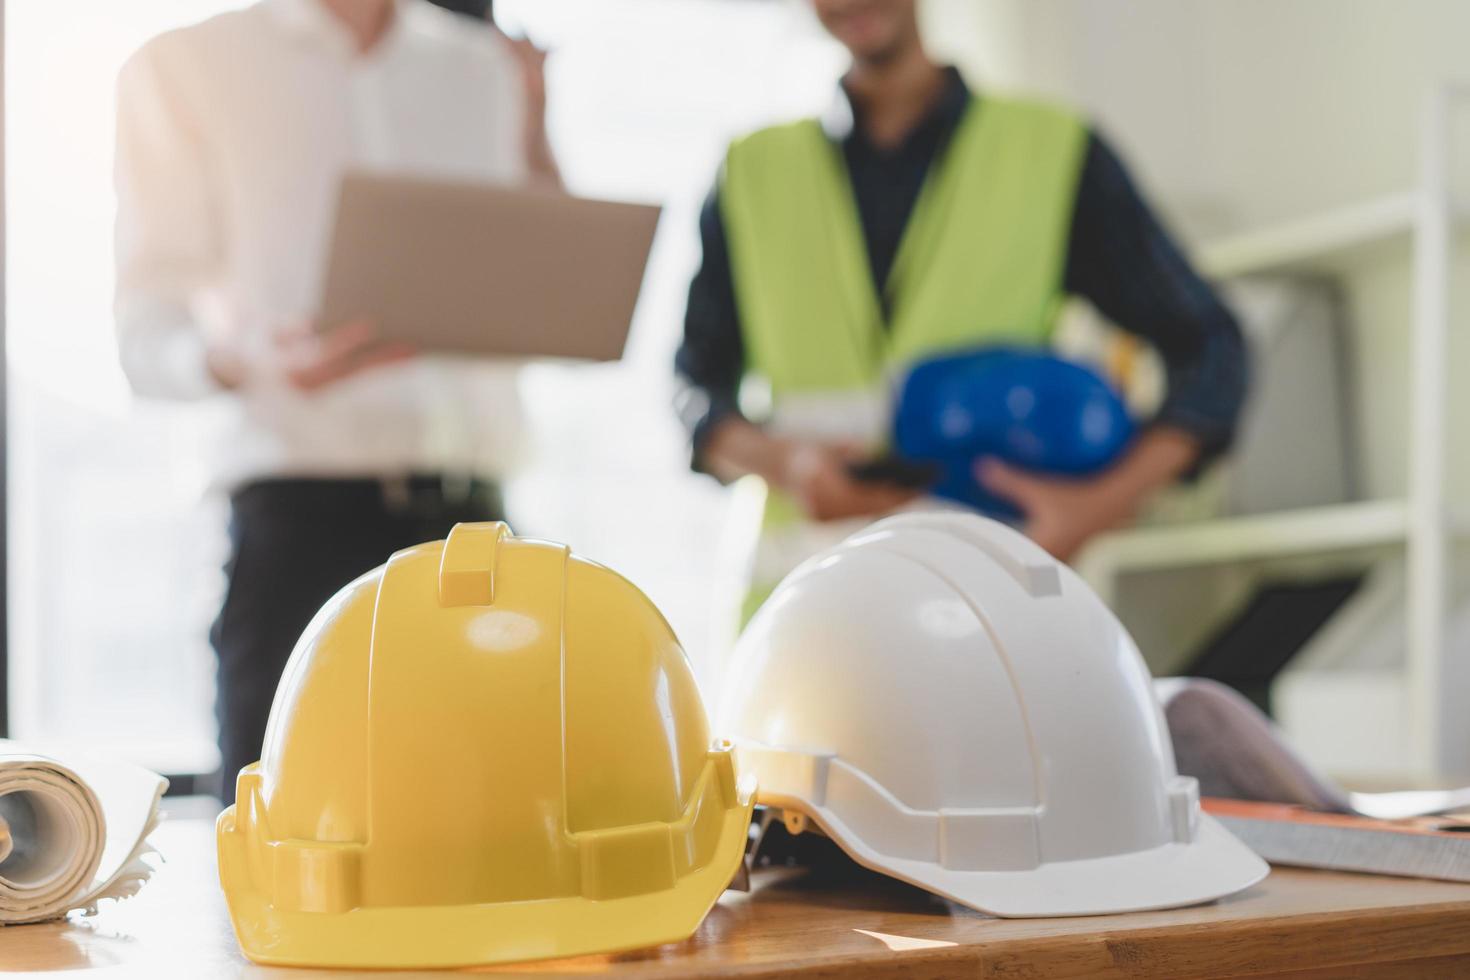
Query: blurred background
x: 1300, y: 148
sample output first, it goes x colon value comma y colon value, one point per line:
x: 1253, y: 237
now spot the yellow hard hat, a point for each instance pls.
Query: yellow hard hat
x: 486, y: 750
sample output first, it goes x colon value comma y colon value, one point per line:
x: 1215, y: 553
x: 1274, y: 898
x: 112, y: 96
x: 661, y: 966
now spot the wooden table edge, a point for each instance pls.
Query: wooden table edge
x: 1223, y: 950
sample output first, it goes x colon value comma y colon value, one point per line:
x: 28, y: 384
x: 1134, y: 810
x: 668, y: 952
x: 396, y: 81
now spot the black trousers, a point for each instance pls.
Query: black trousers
x: 294, y: 543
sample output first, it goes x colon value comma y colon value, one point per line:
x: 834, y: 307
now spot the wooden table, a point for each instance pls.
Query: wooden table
x: 1299, y: 924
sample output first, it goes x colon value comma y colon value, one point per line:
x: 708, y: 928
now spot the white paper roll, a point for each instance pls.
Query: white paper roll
x: 57, y: 851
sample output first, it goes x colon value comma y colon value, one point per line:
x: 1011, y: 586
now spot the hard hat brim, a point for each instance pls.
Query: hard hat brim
x: 432, y: 937
x: 1213, y: 865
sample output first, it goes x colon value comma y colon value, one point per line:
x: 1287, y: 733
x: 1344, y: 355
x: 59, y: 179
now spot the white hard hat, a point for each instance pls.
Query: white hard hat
x: 959, y: 710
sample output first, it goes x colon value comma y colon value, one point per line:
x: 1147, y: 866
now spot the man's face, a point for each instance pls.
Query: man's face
x: 872, y: 30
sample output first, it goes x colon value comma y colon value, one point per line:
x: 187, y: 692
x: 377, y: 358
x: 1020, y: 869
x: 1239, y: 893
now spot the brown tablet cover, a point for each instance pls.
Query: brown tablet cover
x: 486, y: 269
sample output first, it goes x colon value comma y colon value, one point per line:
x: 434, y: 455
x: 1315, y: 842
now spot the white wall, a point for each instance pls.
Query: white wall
x: 1240, y: 111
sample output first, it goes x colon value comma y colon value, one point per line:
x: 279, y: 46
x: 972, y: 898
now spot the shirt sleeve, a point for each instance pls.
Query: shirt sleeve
x: 711, y: 359
x: 1122, y: 260
x: 166, y: 242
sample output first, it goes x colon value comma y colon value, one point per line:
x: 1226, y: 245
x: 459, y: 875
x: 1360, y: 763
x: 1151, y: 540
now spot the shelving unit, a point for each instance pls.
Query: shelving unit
x: 1322, y: 243
x: 1258, y: 537
x: 1437, y: 679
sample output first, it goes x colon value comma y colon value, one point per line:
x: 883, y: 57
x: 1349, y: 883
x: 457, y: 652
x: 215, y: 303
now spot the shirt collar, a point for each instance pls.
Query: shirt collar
x: 310, y: 20
x: 841, y: 116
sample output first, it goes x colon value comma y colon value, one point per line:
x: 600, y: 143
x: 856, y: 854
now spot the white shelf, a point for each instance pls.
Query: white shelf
x: 1310, y: 531
x: 1259, y: 537
x: 1321, y: 242
x: 1309, y: 241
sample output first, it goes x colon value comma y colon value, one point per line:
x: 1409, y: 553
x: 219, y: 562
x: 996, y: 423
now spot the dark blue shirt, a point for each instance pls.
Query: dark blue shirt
x: 1119, y: 258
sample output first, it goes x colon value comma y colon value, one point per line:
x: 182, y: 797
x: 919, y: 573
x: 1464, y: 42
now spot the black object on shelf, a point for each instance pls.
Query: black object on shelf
x: 1250, y: 650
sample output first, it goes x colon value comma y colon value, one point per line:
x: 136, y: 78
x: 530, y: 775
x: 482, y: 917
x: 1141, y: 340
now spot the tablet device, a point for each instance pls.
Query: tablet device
x: 476, y: 268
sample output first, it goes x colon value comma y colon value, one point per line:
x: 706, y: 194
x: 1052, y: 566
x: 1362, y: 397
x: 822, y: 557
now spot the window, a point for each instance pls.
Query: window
x: 113, y: 556
x: 114, y: 549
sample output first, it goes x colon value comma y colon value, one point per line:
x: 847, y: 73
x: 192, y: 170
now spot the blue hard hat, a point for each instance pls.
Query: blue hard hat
x: 1031, y: 409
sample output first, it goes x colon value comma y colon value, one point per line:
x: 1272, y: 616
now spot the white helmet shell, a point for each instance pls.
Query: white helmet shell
x: 957, y: 709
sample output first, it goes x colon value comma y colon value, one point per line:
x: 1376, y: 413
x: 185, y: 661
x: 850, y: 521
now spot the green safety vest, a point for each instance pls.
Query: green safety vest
x: 980, y: 262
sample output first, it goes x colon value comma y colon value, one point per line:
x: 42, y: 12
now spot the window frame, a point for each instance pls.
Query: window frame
x: 4, y: 427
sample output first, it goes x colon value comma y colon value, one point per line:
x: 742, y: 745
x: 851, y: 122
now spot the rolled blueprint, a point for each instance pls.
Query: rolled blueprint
x: 70, y: 835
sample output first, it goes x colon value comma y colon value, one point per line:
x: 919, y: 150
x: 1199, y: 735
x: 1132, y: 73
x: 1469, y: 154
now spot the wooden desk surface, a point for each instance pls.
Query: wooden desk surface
x: 1299, y: 924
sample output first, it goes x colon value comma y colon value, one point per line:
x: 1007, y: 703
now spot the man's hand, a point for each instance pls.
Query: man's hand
x: 817, y: 475
x: 1063, y: 514
x: 532, y: 63
x: 814, y: 473
x: 308, y: 360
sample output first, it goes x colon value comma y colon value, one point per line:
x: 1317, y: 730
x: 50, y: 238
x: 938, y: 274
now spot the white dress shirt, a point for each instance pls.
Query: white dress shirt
x: 233, y: 135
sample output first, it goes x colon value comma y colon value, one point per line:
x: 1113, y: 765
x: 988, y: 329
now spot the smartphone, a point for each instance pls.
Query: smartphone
x: 909, y: 473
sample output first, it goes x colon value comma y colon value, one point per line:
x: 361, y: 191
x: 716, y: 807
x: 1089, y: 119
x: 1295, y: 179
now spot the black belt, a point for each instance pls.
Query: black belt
x: 407, y: 493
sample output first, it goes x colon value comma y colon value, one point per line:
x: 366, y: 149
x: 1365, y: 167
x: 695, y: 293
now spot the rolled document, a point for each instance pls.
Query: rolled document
x: 71, y: 834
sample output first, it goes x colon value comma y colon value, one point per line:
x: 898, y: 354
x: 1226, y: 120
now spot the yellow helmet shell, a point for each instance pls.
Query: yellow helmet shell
x: 486, y: 750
